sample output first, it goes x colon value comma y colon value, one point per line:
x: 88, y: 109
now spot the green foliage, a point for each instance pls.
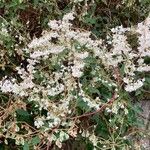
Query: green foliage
x: 24, y: 116
x: 27, y: 19
x: 26, y: 146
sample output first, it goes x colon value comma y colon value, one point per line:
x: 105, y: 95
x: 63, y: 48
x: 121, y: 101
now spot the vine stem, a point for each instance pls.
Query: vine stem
x: 99, y: 110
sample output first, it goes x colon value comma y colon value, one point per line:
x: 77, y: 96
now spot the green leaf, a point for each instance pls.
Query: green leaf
x: 138, y: 92
x: 147, y: 79
x: 90, y: 20
x: 36, y: 2
x: 23, y: 115
x: 22, y: 112
x: 89, y: 146
x: 35, y: 140
x: 26, y: 146
x: 93, y: 90
x: 82, y: 105
x: 122, y: 69
x: 2, y: 146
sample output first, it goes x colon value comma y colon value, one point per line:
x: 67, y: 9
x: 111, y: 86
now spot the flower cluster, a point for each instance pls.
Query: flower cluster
x: 58, y: 67
x: 122, y: 53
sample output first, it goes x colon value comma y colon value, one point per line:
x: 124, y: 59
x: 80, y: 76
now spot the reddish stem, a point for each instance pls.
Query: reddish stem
x: 97, y: 111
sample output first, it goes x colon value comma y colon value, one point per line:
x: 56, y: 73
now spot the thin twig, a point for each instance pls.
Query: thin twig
x: 97, y: 111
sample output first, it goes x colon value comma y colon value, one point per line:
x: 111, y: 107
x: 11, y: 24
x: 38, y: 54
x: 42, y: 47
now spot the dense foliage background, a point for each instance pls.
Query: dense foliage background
x: 22, y: 21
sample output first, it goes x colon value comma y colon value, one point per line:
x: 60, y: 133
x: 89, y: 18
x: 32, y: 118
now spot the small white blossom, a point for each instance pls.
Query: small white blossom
x: 39, y: 122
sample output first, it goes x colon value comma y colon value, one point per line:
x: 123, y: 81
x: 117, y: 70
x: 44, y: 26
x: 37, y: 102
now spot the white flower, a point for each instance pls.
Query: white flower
x: 76, y: 72
x: 145, y: 68
x: 39, y: 122
x: 59, y: 55
x: 63, y: 136
x: 133, y: 86
x: 58, y: 143
x: 81, y: 55
x: 71, y: 35
x: 56, y: 90
x: 6, y: 86
x: 4, y: 31
x: 93, y: 139
x: 68, y: 17
x: 56, y: 49
x: 54, y: 24
x: 126, y: 111
x: 37, y: 54
x: 108, y: 110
